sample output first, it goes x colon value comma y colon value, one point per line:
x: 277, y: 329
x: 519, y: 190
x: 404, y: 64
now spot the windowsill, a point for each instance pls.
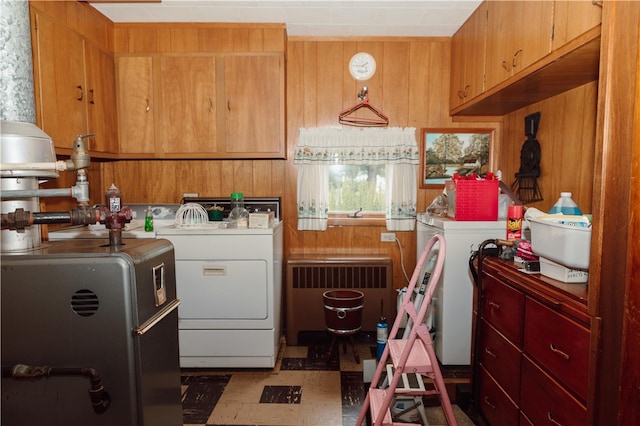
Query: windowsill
x: 361, y: 220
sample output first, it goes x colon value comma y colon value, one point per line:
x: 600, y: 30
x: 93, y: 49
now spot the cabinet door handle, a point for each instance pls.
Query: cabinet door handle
x: 91, y: 100
x: 486, y: 401
x: 494, y: 305
x: 210, y: 105
x: 557, y: 351
x: 148, y: 106
x: 490, y: 353
x: 515, y: 55
x: 81, y: 93
x: 463, y: 93
x: 505, y: 65
x: 551, y: 419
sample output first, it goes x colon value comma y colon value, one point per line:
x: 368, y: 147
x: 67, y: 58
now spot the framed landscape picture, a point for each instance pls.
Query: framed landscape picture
x: 444, y: 152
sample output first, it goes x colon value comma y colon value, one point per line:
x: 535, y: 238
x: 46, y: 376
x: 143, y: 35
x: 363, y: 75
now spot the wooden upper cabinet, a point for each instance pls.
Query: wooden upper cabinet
x: 101, y: 100
x: 208, y: 105
x: 518, y: 34
x: 136, y: 105
x: 467, y: 58
x: 188, y: 120
x: 572, y: 19
x: 253, y: 106
x: 75, y: 87
x: 60, y: 84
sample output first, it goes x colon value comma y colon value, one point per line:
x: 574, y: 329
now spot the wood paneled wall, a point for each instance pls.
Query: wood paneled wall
x: 411, y: 86
x: 567, y: 142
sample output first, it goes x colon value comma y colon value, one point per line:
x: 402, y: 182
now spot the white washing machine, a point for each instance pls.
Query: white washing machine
x: 451, y: 312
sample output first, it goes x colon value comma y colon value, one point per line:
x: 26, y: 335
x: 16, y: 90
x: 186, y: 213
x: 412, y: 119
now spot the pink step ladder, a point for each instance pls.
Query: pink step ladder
x: 413, y: 353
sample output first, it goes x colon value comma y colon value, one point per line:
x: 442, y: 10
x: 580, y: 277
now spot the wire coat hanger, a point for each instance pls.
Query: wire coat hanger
x: 381, y: 120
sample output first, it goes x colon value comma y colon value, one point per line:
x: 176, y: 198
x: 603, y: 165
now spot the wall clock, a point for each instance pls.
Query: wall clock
x: 362, y: 66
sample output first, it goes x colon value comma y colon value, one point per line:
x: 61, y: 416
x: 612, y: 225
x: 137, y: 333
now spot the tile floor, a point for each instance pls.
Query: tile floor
x: 305, y: 388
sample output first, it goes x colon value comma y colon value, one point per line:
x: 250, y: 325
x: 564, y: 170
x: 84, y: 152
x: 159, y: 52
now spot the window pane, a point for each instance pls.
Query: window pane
x: 353, y: 187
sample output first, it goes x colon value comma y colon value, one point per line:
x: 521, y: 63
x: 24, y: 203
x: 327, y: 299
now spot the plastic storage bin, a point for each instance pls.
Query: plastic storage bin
x: 558, y: 272
x: 564, y: 244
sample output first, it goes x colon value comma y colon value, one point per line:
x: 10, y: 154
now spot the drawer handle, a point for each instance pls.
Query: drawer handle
x: 489, y: 352
x: 486, y: 401
x: 558, y: 351
x: 551, y: 419
x: 494, y: 305
x: 214, y: 271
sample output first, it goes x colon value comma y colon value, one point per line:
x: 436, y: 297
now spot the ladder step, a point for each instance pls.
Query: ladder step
x: 418, y: 361
x: 376, y: 397
x: 410, y: 382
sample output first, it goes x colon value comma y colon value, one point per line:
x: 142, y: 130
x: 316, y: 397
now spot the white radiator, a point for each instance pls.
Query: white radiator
x: 309, y: 276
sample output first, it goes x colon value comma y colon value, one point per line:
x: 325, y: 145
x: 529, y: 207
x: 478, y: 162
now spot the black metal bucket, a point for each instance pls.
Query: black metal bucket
x: 343, y: 310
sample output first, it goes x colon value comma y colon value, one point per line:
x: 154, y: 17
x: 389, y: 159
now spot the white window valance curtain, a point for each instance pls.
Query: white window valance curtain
x: 319, y: 148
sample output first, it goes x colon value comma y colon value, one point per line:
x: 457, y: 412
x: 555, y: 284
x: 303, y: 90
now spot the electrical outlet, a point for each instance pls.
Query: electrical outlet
x: 190, y: 195
x: 387, y: 237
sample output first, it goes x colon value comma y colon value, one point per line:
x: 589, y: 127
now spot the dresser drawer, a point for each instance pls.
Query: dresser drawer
x: 496, y: 407
x: 501, y: 359
x: 503, y: 307
x: 545, y: 402
x: 559, y: 344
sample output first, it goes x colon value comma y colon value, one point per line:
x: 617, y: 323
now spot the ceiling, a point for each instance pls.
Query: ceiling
x: 391, y: 18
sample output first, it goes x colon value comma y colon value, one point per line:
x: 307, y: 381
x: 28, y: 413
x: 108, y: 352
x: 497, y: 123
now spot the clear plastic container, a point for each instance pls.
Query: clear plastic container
x: 239, y: 216
x: 565, y: 205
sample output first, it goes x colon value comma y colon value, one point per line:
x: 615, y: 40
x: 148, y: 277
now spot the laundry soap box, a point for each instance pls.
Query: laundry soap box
x: 261, y: 220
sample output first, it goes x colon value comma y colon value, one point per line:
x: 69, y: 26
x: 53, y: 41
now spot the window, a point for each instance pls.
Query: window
x: 341, y: 170
x: 355, y: 187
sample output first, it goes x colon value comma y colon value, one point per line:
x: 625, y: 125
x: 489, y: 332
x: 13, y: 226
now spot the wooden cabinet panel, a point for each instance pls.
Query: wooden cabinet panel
x: 101, y: 101
x: 211, y: 105
x: 188, y: 120
x: 546, y: 401
x: 502, y: 359
x: 518, y: 34
x: 254, y: 100
x: 75, y: 87
x: 60, y: 91
x: 558, y: 344
x: 136, y: 104
x: 573, y: 18
x: 467, y: 58
x: 495, y: 405
x: 532, y: 355
x: 503, y: 307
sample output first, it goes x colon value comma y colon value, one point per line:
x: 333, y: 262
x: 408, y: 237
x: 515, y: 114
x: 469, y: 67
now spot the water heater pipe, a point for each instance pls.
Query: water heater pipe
x: 100, y: 398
